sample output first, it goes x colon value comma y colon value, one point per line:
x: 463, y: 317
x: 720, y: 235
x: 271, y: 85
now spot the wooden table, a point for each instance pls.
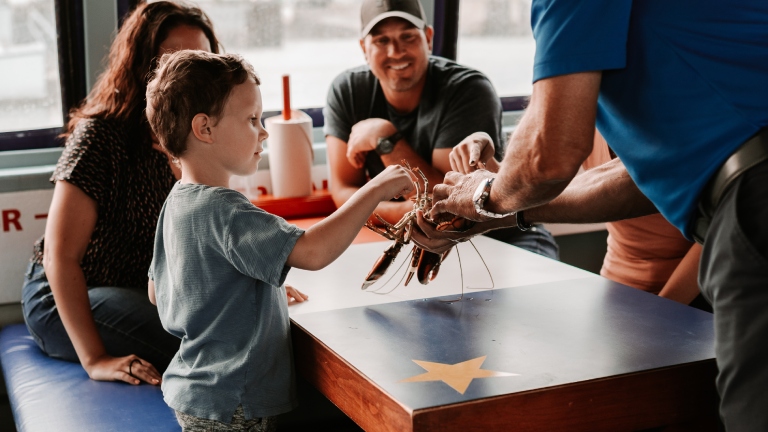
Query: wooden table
x: 550, y: 348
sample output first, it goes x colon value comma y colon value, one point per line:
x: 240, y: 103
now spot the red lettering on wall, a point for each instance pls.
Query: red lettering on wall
x: 11, y: 217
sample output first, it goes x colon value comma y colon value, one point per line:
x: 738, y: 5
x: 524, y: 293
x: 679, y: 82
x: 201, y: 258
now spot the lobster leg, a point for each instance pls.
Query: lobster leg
x: 382, y: 264
x: 415, y: 259
x: 384, y: 232
x: 429, y: 263
x: 433, y: 273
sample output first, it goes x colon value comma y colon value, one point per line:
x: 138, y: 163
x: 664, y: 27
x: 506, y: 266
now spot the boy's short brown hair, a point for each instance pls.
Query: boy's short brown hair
x: 187, y: 83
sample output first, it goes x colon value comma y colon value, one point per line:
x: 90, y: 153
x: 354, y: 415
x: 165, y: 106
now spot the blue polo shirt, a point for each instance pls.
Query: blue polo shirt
x: 685, y: 82
x: 219, y: 268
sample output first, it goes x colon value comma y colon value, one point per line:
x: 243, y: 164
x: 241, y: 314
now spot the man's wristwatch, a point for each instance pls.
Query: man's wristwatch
x: 522, y: 224
x: 481, y: 196
x: 385, y: 145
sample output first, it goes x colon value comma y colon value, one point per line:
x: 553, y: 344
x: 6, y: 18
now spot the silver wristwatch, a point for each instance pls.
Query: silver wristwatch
x: 481, y: 196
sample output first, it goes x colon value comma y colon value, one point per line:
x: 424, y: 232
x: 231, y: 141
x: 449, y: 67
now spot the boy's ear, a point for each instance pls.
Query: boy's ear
x: 201, y: 128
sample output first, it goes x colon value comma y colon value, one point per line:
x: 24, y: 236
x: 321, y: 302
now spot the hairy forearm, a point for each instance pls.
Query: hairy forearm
x: 548, y: 146
x: 526, y: 180
x: 602, y: 194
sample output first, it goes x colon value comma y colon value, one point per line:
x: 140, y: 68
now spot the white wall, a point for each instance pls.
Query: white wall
x: 22, y: 221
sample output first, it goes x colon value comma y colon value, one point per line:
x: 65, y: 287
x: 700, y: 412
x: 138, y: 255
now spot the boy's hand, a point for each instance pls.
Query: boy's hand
x: 294, y: 295
x: 395, y: 181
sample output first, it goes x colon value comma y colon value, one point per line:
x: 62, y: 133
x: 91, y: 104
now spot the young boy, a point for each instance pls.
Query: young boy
x: 220, y: 262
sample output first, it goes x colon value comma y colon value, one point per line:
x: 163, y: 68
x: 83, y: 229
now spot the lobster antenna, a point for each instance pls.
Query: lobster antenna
x: 376, y: 291
x: 461, y: 272
x: 493, y: 285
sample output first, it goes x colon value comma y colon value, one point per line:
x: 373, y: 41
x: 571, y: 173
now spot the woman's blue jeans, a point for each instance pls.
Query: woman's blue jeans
x: 127, y: 322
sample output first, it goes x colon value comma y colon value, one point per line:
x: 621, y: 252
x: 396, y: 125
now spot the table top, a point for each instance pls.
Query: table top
x: 430, y: 353
x: 338, y: 286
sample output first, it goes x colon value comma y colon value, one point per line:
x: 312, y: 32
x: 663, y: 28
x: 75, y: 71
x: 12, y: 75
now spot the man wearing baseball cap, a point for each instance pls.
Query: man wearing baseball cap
x: 406, y: 104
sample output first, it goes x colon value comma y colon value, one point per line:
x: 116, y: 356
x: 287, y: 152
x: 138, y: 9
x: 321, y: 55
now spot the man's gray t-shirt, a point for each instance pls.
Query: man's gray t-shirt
x: 218, y: 268
x: 456, y: 102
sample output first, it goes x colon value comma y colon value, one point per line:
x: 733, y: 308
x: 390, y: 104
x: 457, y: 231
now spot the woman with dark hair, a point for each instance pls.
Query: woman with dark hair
x: 85, y: 291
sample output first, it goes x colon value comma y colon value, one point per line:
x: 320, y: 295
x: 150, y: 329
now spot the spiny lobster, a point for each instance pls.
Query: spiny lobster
x: 424, y: 264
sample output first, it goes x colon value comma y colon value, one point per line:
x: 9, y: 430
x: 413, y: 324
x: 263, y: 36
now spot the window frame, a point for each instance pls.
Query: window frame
x: 72, y: 67
x: 71, y: 55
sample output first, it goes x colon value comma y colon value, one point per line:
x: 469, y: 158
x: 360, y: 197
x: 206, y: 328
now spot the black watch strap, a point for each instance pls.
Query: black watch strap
x: 387, y: 144
x: 522, y: 225
x: 395, y: 137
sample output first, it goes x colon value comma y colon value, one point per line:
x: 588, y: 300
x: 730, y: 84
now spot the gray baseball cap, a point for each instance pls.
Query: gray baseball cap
x: 374, y: 11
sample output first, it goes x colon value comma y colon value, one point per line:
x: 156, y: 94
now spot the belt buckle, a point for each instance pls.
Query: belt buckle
x: 750, y: 153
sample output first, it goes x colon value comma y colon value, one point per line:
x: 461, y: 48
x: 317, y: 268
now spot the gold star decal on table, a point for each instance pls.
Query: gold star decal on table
x: 458, y: 375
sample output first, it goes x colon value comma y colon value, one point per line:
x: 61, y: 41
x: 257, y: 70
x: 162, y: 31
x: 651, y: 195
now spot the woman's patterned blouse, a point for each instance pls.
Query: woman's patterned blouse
x: 129, y: 185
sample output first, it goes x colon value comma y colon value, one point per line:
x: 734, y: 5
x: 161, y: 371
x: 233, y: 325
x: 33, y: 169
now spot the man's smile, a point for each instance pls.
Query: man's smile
x: 399, y: 66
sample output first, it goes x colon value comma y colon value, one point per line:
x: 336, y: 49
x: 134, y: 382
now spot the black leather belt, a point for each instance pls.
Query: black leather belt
x: 751, y: 153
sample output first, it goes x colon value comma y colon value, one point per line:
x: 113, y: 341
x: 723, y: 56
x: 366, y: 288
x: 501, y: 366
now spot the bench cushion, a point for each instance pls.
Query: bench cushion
x: 48, y: 394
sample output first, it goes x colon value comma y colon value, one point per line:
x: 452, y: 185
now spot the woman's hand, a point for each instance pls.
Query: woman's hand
x: 294, y: 295
x: 473, y: 152
x: 130, y: 369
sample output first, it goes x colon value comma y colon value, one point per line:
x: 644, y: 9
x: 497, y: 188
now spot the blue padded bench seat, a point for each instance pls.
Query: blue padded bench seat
x: 53, y: 395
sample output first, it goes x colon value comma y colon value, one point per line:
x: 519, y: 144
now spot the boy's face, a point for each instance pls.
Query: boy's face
x: 239, y: 133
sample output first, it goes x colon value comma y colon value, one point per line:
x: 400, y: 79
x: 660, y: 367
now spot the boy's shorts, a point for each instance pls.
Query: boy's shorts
x: 238, y: 424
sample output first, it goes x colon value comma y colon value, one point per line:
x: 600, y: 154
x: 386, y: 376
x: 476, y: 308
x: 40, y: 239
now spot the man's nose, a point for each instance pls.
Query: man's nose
x: 394, y: 49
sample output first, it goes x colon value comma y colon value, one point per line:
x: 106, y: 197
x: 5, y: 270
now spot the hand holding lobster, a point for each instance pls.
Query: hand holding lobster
x: 424, y: 263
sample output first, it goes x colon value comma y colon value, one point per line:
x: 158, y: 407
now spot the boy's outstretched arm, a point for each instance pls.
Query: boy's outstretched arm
x: 322, y: 243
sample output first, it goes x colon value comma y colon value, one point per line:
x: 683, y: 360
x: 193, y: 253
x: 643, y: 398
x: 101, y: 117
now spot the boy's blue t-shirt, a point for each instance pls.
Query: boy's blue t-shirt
x: 218, y: 269
x: 684, y: 83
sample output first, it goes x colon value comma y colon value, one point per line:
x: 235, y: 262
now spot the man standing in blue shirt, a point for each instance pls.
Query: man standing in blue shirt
x: 680, y: 92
